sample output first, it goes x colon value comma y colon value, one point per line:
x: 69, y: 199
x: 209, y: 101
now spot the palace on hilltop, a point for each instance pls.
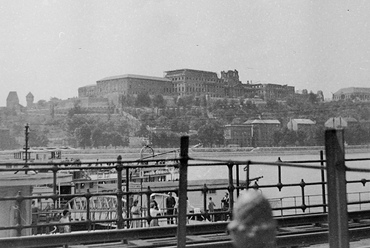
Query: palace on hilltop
x: 184, y: 82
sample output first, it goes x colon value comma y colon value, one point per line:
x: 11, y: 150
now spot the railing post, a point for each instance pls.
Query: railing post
x: 55, y: 197
x: 303, y: 206
x: 119, y: 192
x: 337, y: 193
x: 127, y: 196
x: 237, y: 180
x: 247, y: 167
x: 183, y: 185
x: 205, y: 190
x: 88, y: 212
x: 19, y: 213
x: 323, y: 182
x: 279, y: 184
x: 231, y: 188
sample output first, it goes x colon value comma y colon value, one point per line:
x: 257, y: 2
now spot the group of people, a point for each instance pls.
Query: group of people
x: 171, y: 205
x: 225, y: 203
x: 64, y: 219
x: 171, y: 209
x: 253, y: 224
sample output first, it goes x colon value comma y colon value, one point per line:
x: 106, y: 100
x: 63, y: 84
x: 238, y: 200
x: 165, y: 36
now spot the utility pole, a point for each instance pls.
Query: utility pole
x: 26, y: 132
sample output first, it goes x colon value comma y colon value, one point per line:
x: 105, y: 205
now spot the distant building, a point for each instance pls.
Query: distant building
x: 196, y: 82
x: 12, y: 101
x: 270, y: 91
x: 341, y: 122
x: 29, y: 99
x: 128, y: 84
x: 262, y: 131
x: 238, y: 135
x: 352, y: 93
x: 184, y: 82
x: 301, y: 125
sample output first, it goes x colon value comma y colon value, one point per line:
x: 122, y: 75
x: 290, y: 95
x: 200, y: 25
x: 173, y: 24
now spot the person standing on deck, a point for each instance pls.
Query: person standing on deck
x: 66, y: 218
x: 152, y: 200
x: 154, y: 212
x: 225, y: 203
x: 135, y: 213
x: 170, y: 205
x: 211, y: 209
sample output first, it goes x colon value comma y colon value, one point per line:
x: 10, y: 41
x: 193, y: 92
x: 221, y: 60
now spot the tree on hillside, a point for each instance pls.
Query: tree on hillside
x: 7, y: 141
x: 143, y: 100
x: 178, y: 125
x: 163, y: 139
x: 312, y: 98
x: 77, y: 109
x: 185, y: 101
x: 211, y: 134
x: 126, y: 100
x: 83, y: 135
x: 72, y: 123
x: 114, y: 139
x: 123, y: 128
x: 37, y: 138
x: 41, y: 104
x: 162, y: 121
x: 159, y: 102
x: 143, y: 131
x: 147, y: 117
x: 196, y: 122
x: 97, y: 138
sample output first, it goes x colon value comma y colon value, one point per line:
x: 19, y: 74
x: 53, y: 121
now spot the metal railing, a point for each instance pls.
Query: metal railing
x: 333, y: 189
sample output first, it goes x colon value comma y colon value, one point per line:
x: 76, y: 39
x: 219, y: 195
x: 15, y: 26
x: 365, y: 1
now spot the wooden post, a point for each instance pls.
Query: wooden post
x: 337, y: 192
x: 183, y: 181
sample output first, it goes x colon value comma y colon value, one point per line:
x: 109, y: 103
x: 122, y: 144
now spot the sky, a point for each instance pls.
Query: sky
x: 51, y: 48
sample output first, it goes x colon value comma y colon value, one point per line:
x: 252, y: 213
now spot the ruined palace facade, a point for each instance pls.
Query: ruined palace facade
x: 185, y: 82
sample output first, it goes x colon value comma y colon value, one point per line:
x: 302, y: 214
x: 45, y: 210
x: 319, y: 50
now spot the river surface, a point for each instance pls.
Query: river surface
x: 289, y: 175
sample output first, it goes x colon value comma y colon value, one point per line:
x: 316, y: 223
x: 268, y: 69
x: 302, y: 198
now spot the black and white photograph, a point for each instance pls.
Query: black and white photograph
x: 173, y: 123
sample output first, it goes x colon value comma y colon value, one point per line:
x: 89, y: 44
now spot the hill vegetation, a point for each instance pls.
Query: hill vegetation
x: 201, y: 119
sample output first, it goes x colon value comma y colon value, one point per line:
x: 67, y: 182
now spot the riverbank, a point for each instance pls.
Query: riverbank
x: 104, y: 154
x: 218, y: 151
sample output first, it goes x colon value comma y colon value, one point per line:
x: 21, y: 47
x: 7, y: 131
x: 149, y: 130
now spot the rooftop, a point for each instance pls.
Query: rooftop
x: 303, y: 121
x: 136, y: 77
x: 259, y: 121
x: 352, y: 90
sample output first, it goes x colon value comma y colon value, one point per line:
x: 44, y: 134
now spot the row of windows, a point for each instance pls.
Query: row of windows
x: 350, y: 96
x: 136, y: 87
x: 196, y: 79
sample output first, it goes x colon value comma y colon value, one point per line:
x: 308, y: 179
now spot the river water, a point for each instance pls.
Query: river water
x: 289, y: 175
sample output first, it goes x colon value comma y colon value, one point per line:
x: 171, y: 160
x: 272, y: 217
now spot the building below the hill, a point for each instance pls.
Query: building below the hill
x: 252, y: 133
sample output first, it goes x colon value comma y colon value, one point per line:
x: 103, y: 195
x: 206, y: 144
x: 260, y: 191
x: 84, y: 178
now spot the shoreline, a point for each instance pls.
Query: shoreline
x: 134, y: 153
x: 248, y: 150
